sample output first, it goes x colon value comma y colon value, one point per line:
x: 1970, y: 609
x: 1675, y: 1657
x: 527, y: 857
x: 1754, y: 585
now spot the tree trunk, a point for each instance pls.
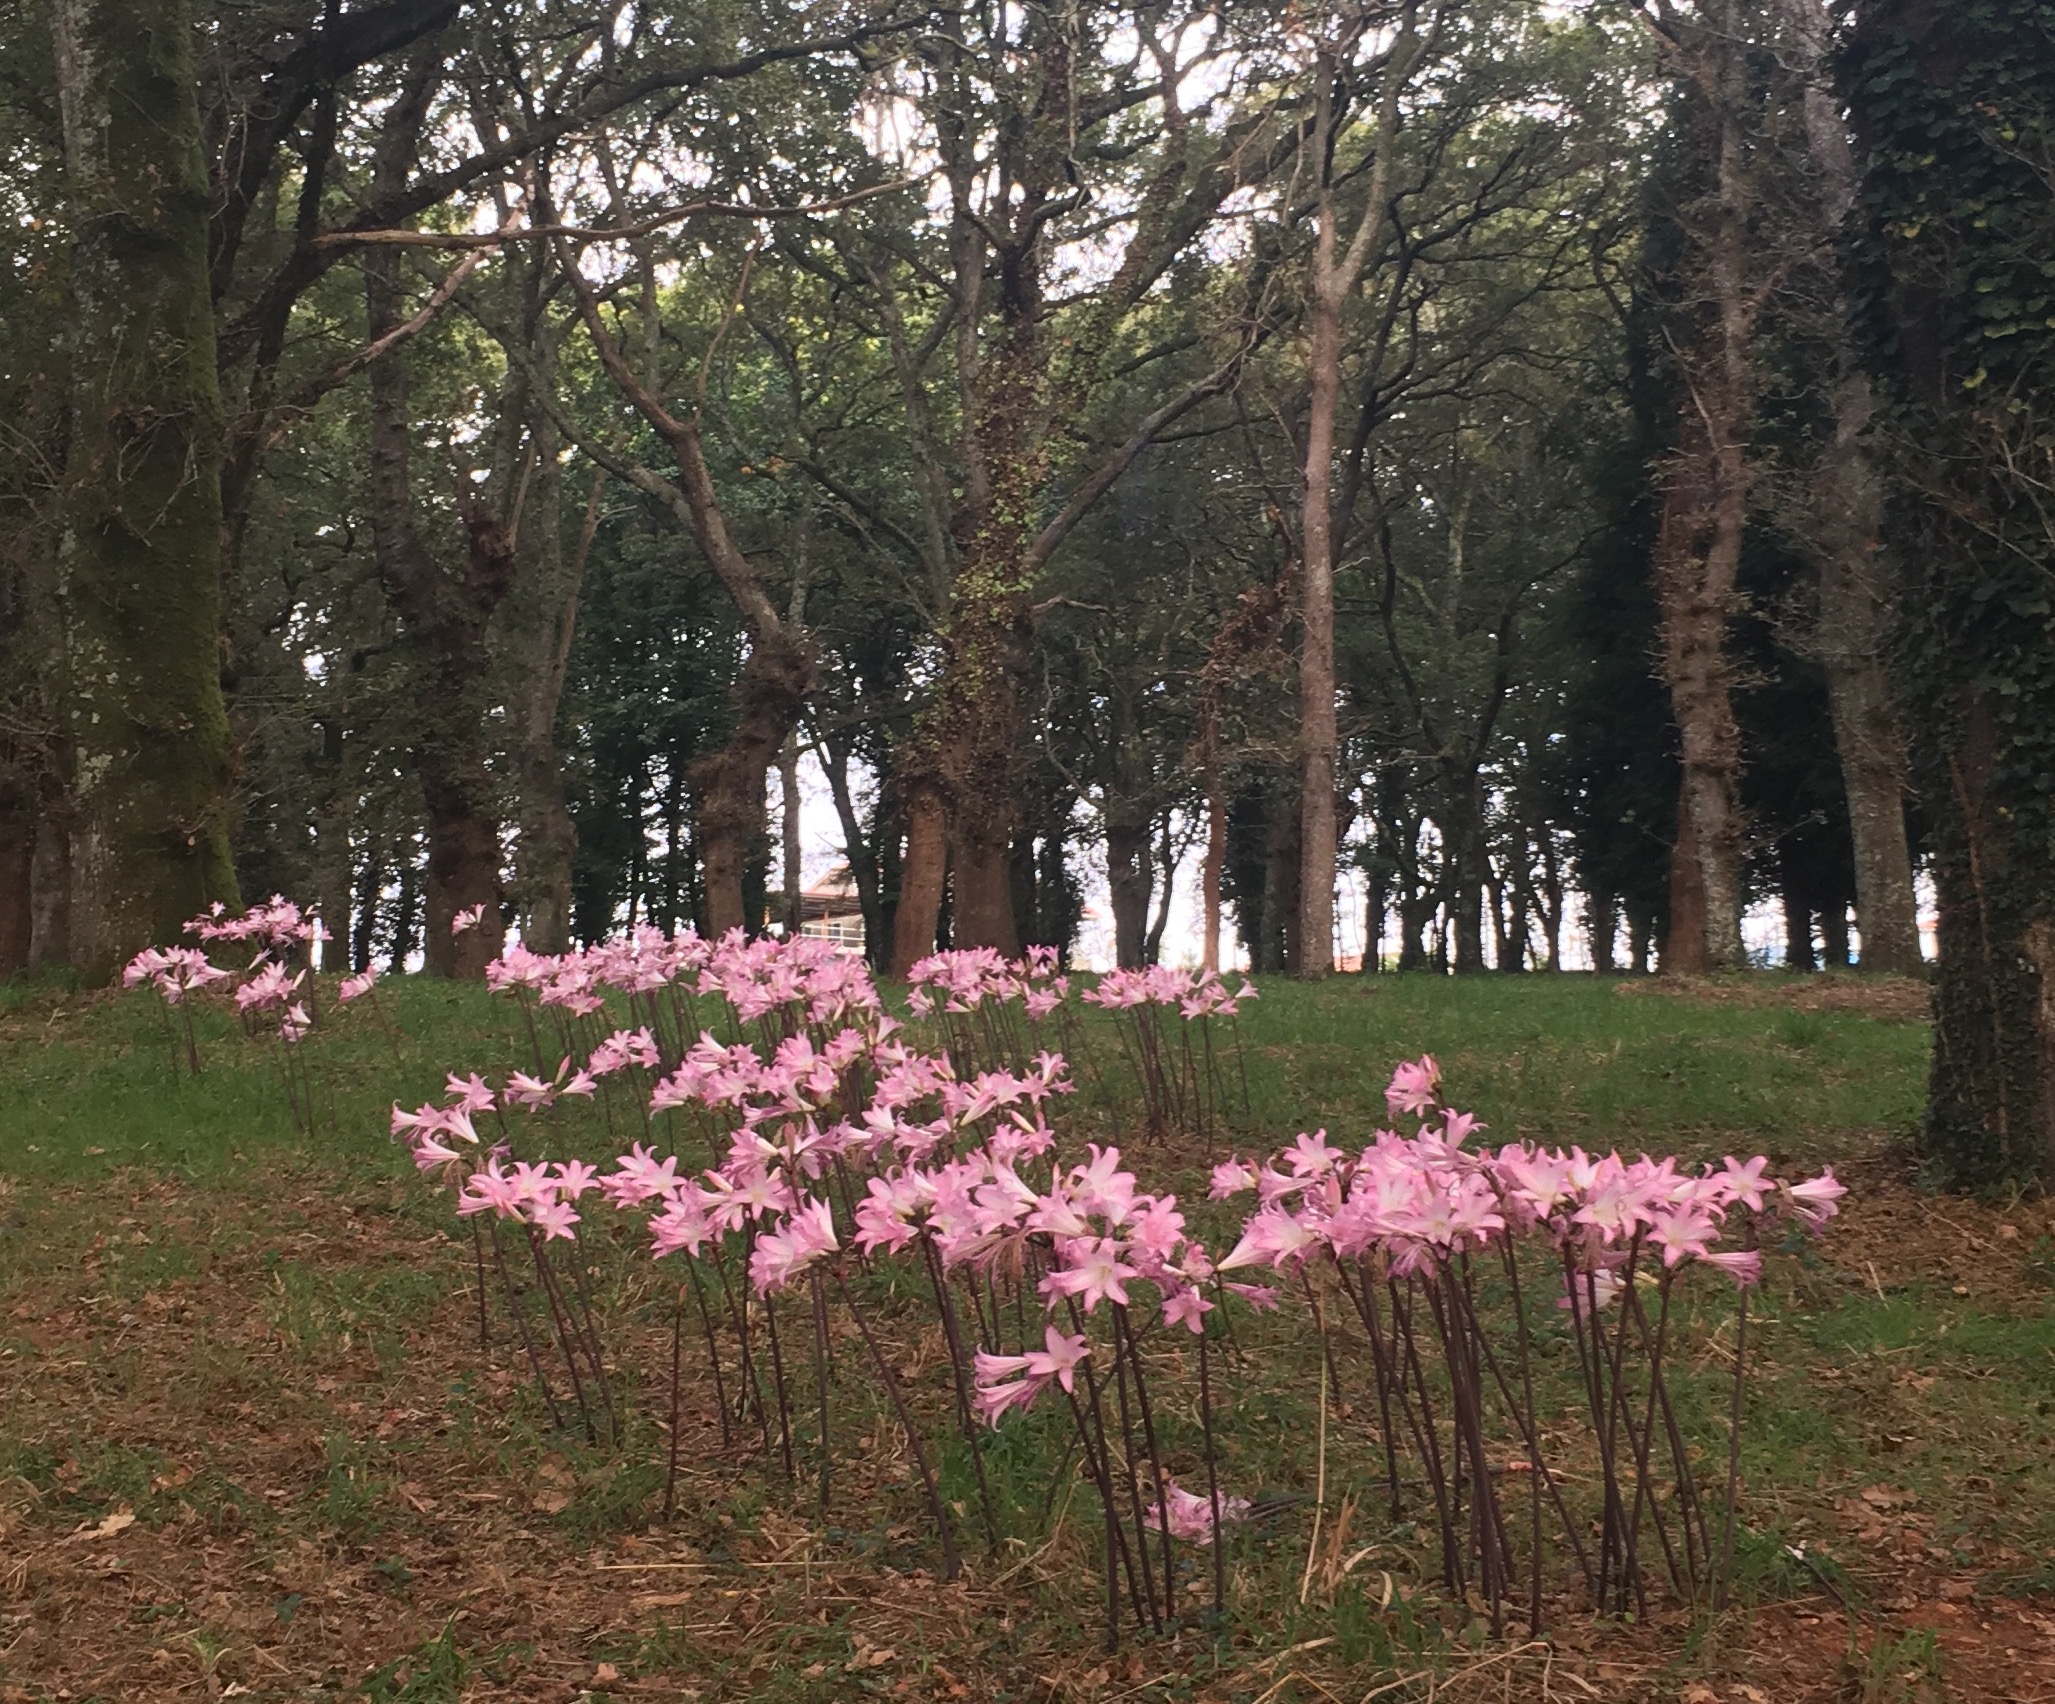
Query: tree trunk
x: 1706, y: 490
x: 981, y: 893
x: 1130, y: 880
x: 1602, y: 923
x: 1698, y: 555
x: 1798, y: 953
x: 17, y: 860
x: 1842, y: 522
x: 141, y: 545
x: 793, y: 882
x: 1282, y: 913
x: 1335, y: 273
x: 860, y: 850
x: 1466, y: 855
x: 406, y: 915
x: 1847, y: 505
x: 445, y: 619
x: 1167, y: 853
x: 922, y: 875
x: 1552, y: 898
x: 1683, y: 949
x: 364, y: 917
x: 1210, y: 871
x: 546, y: 852
x: 1318, y: 737
x: 728, y: 783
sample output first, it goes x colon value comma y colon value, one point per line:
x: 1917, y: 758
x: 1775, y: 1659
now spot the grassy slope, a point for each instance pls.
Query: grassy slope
x: 1915, y: 1365
x: 86, y: 1087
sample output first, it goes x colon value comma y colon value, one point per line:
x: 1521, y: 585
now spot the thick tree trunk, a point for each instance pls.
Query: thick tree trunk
x: 1683, y: 949
x: 463, y: 860
x: 1698, y: 554
x: 140, y: 557
x: 728, y: 783
x: 1130, y: 879
x: 981, y: 894
x: 922, y: 875
x: 976, y: 727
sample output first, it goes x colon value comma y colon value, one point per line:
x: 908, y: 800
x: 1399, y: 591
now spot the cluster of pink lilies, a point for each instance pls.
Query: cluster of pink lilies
x: 842, y: 1156
x: 843, y: 1159
x: 267, y: 990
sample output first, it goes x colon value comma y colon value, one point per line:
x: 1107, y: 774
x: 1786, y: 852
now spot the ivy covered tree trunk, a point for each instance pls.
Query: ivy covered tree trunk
x: 1954, y: 104
x: 140, y: 551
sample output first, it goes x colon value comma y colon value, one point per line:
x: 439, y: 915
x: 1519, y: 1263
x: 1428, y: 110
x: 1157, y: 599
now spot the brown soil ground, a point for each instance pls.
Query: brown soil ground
x: 220, y: 1492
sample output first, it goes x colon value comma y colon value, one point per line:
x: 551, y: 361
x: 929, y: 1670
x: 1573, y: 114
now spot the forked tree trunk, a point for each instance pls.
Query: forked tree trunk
x: 141, y: 544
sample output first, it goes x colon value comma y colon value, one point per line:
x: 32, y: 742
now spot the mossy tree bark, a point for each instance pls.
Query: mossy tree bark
x: 140, y: 551
x: 1954, y: 102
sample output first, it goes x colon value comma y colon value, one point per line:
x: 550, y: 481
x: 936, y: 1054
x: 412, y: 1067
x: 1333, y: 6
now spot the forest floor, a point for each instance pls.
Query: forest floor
x: 250, y: 1447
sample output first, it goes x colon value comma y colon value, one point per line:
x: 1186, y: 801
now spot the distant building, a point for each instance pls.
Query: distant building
x: 830, y: 910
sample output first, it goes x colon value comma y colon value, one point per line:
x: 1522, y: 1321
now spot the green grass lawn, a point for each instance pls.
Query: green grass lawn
x: 87, y: 1086
x: 257, y: 1345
